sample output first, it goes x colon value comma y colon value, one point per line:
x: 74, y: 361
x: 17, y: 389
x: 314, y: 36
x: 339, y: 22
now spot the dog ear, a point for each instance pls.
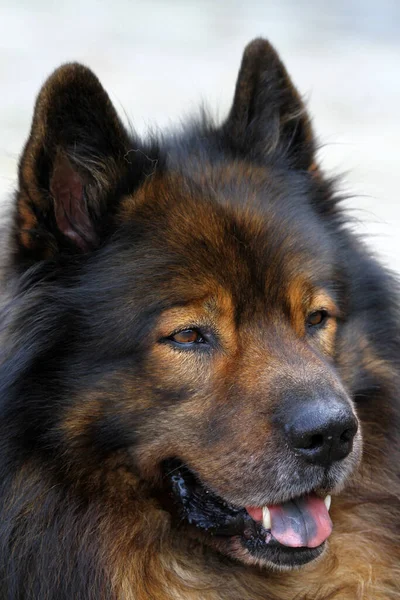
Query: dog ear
x: 70, y: 164
x: 268, y: 119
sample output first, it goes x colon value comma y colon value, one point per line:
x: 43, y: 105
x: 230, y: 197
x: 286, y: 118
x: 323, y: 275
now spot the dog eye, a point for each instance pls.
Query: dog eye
x: 188, y: 336
x: 317, y: 318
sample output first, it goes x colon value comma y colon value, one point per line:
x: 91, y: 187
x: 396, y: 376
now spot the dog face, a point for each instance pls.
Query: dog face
x: 188, y: 302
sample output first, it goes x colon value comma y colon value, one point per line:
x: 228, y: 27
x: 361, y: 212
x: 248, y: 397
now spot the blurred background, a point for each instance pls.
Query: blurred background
x: 159, y: 59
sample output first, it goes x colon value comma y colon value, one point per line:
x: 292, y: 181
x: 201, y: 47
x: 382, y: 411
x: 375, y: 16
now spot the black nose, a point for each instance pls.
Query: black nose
x: 322, y: 430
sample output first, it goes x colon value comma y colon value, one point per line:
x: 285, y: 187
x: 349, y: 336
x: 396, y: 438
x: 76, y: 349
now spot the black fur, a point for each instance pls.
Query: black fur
x: 76, y: 316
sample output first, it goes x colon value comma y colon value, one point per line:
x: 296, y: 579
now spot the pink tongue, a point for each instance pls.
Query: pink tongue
x: 303, y: 522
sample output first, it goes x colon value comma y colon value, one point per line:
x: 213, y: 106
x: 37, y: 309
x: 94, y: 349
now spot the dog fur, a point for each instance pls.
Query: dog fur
x: 113, y: 243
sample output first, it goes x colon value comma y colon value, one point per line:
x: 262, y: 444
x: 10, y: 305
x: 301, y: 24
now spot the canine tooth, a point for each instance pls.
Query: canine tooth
x: 327, y: 501
x: 266, y: 518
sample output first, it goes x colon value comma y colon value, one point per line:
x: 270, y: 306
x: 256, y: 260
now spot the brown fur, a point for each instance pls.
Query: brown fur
x: 114, y: 248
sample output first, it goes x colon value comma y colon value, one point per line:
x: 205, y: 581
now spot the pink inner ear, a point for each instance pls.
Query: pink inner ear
x: 70, y: 207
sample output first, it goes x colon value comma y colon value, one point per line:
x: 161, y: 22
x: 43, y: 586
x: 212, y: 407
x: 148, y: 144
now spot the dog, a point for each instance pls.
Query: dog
x: 200, y: 361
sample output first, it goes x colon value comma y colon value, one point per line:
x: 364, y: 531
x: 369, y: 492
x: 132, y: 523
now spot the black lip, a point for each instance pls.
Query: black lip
x: 273, y: 552
x: 201, y: 507
x: 193, y: 503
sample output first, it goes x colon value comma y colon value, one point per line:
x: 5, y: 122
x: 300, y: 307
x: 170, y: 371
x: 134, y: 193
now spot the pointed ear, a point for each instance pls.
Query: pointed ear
x: 268, y: 120
x: 71, y: 163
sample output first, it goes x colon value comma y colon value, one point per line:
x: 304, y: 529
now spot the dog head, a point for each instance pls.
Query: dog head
x: 182, y: 304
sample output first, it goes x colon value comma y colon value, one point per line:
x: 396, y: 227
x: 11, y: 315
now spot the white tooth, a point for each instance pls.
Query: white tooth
x: 327, y: 501
x: 266, y: 518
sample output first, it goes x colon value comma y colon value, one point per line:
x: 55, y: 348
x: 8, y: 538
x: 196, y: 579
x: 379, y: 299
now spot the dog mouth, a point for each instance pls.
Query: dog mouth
x: 287, y: 535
